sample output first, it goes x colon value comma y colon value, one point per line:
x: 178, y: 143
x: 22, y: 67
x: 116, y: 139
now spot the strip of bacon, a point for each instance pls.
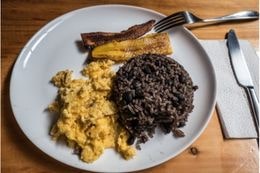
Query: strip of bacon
x: 93, y: 39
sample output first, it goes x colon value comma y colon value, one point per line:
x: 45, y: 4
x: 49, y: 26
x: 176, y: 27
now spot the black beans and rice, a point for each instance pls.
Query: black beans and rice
x: 153, y: 91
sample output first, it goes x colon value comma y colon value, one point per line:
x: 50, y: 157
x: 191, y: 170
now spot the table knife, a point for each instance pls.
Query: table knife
x: 242, y: 73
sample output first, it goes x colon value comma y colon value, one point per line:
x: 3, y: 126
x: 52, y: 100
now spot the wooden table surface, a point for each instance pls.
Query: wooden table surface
x: 22, y: 18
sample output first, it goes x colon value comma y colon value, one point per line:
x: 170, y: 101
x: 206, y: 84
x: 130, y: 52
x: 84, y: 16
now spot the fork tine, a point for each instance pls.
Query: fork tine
x: 179, y: 19
x: 172, y: 19
x: 168, y: 17
x: 170, y: 26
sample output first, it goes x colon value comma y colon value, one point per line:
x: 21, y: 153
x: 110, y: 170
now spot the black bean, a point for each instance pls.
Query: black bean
x: 166, y: 128
x: 181, y: 124
x: 147, y: 69
x: 128, y: 96
x: 178, y: 133
x: 182, y: 79
x: 131, y: 140
x: 195, y: 87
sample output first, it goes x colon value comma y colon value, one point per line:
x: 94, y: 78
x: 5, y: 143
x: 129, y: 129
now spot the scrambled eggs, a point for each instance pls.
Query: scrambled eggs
x: 87, y: 118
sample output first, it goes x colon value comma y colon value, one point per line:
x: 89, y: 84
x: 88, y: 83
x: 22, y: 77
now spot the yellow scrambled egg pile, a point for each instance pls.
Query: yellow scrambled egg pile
x: 87, y: 118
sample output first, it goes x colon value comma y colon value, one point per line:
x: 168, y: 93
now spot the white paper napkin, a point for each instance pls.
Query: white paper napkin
x: 232, y: 103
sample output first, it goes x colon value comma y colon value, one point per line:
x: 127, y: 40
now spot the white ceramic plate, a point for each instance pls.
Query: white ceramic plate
x: 56, y: 47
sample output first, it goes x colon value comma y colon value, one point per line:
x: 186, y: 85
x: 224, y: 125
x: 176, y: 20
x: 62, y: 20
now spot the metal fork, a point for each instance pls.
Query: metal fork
x: 185, y: 17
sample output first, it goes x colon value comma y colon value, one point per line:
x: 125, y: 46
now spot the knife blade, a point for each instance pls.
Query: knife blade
x: 242, y: 73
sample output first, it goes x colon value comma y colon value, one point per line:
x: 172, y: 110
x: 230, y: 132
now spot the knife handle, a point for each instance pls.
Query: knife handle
x: 254, y: 105
x: 255, y: 102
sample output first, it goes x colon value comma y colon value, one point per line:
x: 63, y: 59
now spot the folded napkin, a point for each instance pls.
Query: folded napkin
x: 232, y: 103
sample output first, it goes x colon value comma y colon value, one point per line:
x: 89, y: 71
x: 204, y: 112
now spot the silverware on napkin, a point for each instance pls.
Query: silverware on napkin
x: 232, y: 101
x: 242, y: 73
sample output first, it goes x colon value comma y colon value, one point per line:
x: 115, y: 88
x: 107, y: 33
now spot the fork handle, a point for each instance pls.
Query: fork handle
x: 242, y: 15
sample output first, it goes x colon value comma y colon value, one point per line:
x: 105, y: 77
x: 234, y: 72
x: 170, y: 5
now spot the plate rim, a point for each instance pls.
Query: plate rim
x: 53, y: 21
